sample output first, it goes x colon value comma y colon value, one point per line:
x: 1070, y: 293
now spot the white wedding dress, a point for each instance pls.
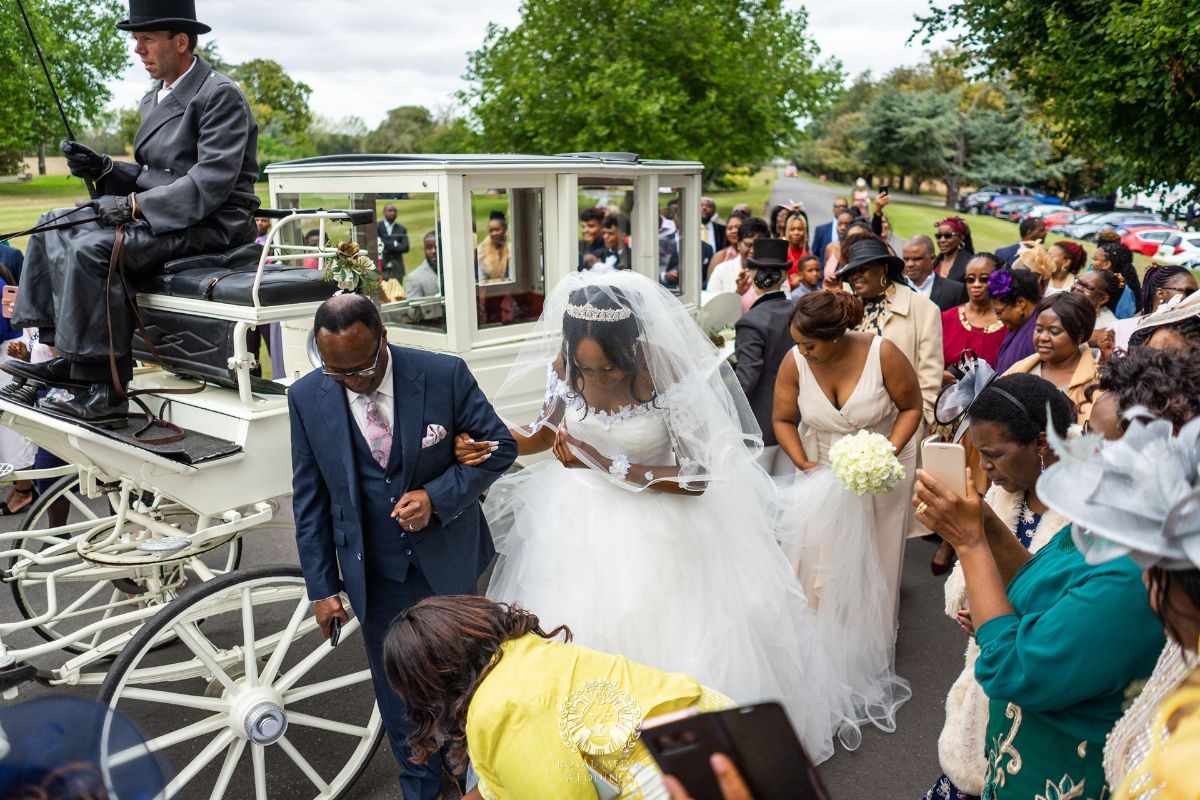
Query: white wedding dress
x: 687, y: 583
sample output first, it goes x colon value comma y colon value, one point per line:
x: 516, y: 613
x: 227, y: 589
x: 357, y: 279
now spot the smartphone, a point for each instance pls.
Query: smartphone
x: 947, y: 462
x: 885, y: 190
x: 7, y: 300
x: 758, y: 738
x: 335, y: 631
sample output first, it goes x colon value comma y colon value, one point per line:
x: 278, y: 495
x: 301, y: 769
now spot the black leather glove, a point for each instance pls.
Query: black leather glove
x: 85, y: 162
x: 113, y: 209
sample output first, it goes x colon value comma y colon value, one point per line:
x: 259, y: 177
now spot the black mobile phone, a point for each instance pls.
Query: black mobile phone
x: 758, y: 738
x: 884, y: 190
x: 335, y: 631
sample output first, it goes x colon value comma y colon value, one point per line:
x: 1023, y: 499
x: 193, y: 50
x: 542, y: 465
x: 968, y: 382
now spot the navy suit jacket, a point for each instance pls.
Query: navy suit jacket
x: 430, y: 389
x: 1007, y: 255
x: 822, y: 236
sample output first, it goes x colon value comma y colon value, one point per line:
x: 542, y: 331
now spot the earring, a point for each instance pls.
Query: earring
x: 1042, y: 461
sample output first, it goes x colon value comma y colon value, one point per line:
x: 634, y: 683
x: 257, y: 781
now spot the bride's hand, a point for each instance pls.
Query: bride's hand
x: 471, y: 453
x: 562, y: 451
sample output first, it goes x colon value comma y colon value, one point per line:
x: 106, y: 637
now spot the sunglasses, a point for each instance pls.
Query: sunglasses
x: 944, y: 235
x: 975, y: 279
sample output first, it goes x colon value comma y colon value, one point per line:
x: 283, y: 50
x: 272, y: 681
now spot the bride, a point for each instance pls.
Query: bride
x: 649, y: 532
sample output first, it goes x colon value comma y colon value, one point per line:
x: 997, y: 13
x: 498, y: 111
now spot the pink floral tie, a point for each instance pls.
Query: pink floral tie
x: 379, y: 435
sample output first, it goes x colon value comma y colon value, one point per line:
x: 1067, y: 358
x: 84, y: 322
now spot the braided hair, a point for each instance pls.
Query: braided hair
x: 1157, y: 277
x: 1121, y: 258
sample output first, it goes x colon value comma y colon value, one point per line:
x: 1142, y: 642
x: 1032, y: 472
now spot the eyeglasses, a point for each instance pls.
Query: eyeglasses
x: 1188, y: 292
x: 942, y: 235
x: 366, y: 372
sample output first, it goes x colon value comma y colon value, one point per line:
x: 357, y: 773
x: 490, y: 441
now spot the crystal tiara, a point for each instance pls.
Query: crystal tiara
x: 590, y: 313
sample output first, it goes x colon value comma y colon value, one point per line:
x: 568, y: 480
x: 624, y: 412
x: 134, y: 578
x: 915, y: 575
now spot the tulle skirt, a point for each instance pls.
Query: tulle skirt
x: 828, y: 533
x: 690, y: 584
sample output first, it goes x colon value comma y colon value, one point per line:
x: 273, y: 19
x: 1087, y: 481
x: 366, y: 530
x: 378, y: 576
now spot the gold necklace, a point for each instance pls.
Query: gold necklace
x: 962, y: 317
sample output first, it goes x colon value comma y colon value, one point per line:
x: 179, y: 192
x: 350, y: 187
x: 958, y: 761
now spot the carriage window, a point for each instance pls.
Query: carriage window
x: 669, y: 255
x: 406, y: 241
x: 605, y: 223
x: 508, y: 242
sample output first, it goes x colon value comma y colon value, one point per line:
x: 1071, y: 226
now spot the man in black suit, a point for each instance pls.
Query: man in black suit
x: 918, y: 268
x: 711, y: 233
x: 764, y: 338
x: 1032, y: 230
x: 393, y: 244
x: 382, y: 507
x: 827, y: 233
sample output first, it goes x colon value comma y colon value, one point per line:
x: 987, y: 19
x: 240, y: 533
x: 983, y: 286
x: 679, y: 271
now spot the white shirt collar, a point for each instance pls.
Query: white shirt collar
x: 166, y: 89
x: 927, y: 287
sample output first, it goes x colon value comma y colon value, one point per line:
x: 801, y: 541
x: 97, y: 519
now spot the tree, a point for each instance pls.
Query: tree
x: 415, y: 129
x: 1121, y: 77
x: 276, y: 98
x: 648, y: 76
x: 83, y: 50
x: 334, y: 137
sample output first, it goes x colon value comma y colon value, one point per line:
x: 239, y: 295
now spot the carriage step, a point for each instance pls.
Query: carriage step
x: 193, y: 449
x: 17, y: 674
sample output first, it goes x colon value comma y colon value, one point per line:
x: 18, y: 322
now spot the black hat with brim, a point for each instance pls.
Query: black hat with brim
x: 768, y: 254
x: 869, y: 250
x: 163, y: 15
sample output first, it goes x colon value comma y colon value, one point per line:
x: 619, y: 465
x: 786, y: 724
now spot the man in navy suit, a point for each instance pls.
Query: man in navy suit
x: 396, y: 513
x: 825, y: 234
x: 1032, y: 230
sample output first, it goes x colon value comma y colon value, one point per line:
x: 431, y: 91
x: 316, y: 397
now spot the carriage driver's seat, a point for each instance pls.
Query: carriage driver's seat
x: 196, y: 339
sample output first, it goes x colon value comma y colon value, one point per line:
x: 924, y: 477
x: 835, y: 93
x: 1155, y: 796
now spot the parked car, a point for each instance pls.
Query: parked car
x: 976, y: 202
x: 1093, y: 203
x: 1013, y: 210
x: 1000, y: 199
x: 1041, y: 211
x: 1180, y: 249
x: 1148, y: 241
x: 1062, y: 217
x: 973, y: 202
x: 1109, y: 220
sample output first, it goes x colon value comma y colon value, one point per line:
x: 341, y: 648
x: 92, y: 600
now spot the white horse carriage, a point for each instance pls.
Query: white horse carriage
x: 127, y: 573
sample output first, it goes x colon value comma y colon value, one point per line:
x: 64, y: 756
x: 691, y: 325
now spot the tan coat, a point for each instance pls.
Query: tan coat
x: 914, y: 324
x: 1086, y: 373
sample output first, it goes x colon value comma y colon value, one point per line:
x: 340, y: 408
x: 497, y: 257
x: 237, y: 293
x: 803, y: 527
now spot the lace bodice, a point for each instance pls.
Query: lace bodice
x: 639, y: 433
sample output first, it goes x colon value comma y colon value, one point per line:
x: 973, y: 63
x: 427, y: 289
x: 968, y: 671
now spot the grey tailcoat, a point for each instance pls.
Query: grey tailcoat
x: 196, y: 163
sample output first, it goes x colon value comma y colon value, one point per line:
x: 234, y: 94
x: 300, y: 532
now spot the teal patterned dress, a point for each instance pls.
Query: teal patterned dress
x: 1057, y: 672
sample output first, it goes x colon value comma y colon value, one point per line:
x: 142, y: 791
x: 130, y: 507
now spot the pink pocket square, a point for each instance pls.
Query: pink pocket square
x: 433, y: 435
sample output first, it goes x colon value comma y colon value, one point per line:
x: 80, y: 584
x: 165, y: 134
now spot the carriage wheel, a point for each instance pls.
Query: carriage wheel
x: 256, y: 692
x: 83, y: 602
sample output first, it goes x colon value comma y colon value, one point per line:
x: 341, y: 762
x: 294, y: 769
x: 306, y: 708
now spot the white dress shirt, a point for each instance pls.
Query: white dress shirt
x: 927, y: 287
x: 166, y: 90
x: 385, y: 401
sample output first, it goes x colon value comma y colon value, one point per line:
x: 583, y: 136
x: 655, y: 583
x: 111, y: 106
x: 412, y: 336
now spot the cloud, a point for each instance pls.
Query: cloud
x: 363, y: 57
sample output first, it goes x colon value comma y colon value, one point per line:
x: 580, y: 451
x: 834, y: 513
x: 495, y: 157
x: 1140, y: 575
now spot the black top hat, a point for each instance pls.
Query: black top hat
x: 869, y: 250
x: 769, y: 254
x: 163, y: 15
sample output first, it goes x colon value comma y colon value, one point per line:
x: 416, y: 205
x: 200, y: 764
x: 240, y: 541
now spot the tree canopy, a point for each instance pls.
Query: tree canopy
x: 1121, y: 77
x: 720, y: 81
x: 83, y: 50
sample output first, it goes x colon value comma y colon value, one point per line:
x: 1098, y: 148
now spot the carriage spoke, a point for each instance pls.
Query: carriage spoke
x: 204, y: 726
x: 319, y: 654
x: 185, y: 632
x: 202, y: 760
x: 80, y: 505
x: 333, y: 684
x: 276, y: 661
x: 67, y: 612
x: 113, y: 598
x: 175, y: 699
x: 333, y: 726
x: 251, y: 655
x: 232, y: 756
x: 302, y: 762
x: 259, y: 756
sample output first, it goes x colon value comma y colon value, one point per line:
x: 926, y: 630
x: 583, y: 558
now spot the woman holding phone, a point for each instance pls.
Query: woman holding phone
x: 1060, y: 640
x: 1013, y: 450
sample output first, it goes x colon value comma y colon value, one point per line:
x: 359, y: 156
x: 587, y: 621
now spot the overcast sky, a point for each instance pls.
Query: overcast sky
x: 363, y: 57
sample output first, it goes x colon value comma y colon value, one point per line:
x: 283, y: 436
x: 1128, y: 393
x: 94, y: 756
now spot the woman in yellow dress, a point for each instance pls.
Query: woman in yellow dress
x: 534, y: 716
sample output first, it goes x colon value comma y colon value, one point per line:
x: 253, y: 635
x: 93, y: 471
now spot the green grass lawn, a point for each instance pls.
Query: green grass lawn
x: 756, y: 196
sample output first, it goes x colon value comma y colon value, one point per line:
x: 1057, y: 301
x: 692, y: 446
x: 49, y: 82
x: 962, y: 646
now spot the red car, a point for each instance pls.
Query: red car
x: 1061, y: 217
x: 1147, y: 240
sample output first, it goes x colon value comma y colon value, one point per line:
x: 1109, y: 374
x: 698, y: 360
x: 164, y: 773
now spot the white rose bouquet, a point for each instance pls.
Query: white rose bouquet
x: 351, y: 270
x: 865, y: 463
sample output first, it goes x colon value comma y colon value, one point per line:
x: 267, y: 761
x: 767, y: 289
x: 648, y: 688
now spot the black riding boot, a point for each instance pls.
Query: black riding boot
x: 101, y: 405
